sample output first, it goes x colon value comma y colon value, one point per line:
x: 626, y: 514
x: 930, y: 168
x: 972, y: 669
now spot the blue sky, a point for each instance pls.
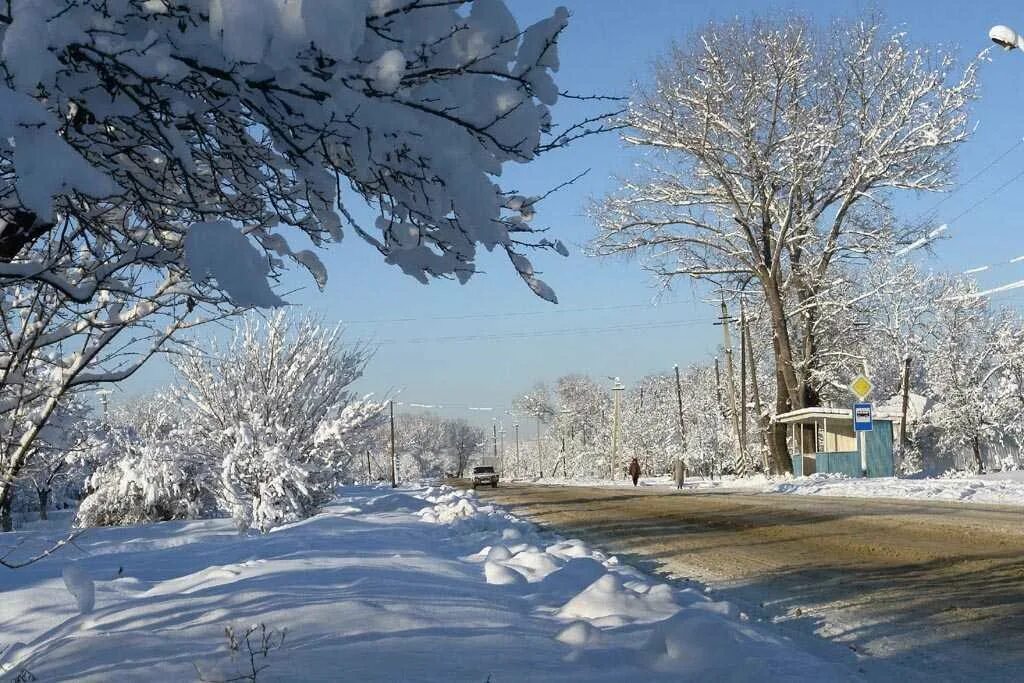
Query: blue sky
x: 609, y: 45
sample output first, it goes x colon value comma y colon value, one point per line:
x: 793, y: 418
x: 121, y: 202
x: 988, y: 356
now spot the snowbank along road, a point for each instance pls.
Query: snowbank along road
x: 935, y: 587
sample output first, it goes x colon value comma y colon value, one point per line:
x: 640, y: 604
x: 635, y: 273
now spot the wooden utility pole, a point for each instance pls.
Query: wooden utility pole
x: 906, y: 406
x: 743, y: 380
x: 762, y: 426
x: 731, y: 378
x: 718, y: 388
x: 394, y: 480
x: 495, y: 425
x: 540, y: 454
x: 517, y: 448
x: 682, y: 424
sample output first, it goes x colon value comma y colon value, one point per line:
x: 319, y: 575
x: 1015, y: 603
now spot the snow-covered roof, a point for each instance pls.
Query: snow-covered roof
x: 823, y: 413
x: 917, y: 406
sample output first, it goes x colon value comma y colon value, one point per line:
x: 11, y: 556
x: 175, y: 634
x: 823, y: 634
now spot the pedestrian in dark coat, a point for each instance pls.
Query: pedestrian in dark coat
x: 634, y: 470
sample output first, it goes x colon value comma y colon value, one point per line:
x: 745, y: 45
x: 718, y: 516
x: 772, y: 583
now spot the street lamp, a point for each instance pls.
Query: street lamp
x: 617, y: 389
x: 103, y: 394
x: 1005, y: 37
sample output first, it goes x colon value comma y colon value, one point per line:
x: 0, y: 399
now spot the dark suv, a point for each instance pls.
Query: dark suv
x: 485, y: 475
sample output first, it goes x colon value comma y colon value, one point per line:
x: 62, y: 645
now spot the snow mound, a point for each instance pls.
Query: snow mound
x: 498, y: 574
x: 580, y: 634
x: 577, y: 574
x: 498, y: 553
x: 534, y: 564
x: 570, y: 549
x: 81, y: 586
x: 700, y: 640
x: 609, y: 598
x: 395, y: 502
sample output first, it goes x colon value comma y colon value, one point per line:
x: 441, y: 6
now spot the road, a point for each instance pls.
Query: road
x: 935, y: 587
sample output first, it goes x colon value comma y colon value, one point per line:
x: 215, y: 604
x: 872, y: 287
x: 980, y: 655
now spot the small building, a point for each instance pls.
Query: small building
x: 823, y: 440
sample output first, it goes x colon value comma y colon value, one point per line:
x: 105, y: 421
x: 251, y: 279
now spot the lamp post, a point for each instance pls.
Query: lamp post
x: 1006, y: 38
x: 103, y: 394
x: 617, y: 389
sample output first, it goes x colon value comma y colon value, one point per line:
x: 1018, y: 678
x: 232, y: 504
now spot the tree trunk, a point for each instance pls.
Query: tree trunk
x: 6, y: 523
x: 977, y: 455
x: 44, y: 501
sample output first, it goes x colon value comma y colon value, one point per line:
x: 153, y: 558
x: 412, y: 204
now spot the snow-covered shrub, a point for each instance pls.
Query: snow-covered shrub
x: 274, y: 418
x: 147, y: 482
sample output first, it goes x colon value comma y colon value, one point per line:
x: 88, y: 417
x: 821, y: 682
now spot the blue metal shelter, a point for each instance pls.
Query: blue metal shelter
x: 823, y: 440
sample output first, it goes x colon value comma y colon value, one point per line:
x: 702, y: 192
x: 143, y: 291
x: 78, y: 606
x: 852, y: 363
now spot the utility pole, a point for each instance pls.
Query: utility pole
x: 718, y: 387
x: 516, y: 425
x: 394, y: 480
x: 495, y: 425
x: 906, y: 406
x: 743, y: 381
x: 682, y: 424
x: 369, y: 471
x: 540, y: 453
x: 731, y: 378
x: 756, y: 390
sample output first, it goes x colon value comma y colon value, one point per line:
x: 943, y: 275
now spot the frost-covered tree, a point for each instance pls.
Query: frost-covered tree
x: 143, y: 467
x: 273, y: 414
x: 537, y: 406
x: 650, y: 424
x: 465, y: 442
x: 53, y: 348
x: 55, y: 464
x: 583, y: 419
x: 775, y: 152
x: 187, y: 116
x: 161, y: 155
x: 145, y: 480
x: 966, y: 370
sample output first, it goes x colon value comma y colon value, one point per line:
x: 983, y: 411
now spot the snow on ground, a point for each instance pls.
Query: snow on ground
x: 420, y: 584
x: 1002, y: 488
x: 994, y: 489
x: 664, y: 481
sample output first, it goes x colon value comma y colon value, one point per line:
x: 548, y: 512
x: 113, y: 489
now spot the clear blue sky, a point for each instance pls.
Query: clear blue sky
x: 609, y: 45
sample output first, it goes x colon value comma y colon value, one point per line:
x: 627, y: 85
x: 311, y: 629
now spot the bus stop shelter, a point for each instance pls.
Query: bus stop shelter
x: 823, y: 440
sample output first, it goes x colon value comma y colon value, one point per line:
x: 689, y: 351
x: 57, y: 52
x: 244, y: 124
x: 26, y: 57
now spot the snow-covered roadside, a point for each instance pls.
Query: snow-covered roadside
x: 1005, y: 488
x: 756, y: 482
x: 991, y: 489
x: 419, y: 584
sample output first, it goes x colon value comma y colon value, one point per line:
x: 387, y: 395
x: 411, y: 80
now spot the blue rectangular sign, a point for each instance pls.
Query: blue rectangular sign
x: 862, y: 417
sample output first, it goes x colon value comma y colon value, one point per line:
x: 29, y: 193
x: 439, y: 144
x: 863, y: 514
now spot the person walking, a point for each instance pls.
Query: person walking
x: 634, y: 470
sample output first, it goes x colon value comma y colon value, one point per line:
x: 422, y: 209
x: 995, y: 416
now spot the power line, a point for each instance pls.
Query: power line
x: 478, y: 316
x: 934, y: 234
x: 547, y: 333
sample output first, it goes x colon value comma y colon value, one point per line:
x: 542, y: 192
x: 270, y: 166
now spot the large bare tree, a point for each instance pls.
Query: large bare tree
x: 774, y: 149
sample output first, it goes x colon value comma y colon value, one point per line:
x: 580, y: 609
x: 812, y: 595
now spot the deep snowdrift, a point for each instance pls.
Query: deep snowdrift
x: 422, y: 584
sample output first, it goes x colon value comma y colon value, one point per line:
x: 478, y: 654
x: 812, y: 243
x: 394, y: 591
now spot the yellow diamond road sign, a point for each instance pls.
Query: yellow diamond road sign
x: 861, y: 386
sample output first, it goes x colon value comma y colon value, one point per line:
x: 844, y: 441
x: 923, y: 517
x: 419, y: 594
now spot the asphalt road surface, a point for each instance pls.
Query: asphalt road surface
x: 936, y: 589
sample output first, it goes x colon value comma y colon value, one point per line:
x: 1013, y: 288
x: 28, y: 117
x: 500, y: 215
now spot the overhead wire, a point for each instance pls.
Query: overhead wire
x: 505, y: 336
x: 481, y: 316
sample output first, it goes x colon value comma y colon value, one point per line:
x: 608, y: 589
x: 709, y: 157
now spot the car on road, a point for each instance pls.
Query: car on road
x: 485, y: 474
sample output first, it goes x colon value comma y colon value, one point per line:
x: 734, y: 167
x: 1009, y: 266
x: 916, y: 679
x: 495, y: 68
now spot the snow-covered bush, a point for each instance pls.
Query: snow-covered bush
x: 147, y: 482
x: 273, y: 416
